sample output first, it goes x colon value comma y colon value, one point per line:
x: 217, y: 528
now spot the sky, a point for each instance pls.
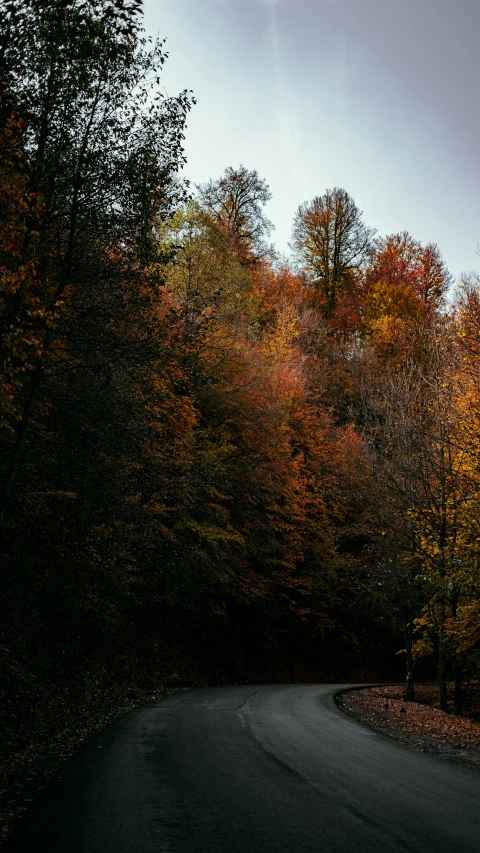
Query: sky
x: 380, y: 97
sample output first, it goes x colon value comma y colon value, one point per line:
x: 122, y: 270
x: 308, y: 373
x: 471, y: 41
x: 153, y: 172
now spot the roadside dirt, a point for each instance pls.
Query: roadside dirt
x: 415, y: 724
x: 25, y: 773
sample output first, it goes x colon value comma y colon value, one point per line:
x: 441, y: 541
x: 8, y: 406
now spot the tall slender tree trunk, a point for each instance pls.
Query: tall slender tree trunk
x: 457, y: 670
x: 442, y: 646
x: 409, y: 678
x: 457, y: 675
x: 442, y: 655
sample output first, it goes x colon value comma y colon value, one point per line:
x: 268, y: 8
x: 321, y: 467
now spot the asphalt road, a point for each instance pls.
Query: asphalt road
x: 256, y: 770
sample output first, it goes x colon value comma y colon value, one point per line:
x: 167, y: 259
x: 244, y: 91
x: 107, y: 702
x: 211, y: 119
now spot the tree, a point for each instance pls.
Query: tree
x: 236, y: 201
x: 395, y: 321
x: 401, y: 261
x: 22, y: 316
x: 331, y: 243
x: 414, y: 422
x: 102, y: 147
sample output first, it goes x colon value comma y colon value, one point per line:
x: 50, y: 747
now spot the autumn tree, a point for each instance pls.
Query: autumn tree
x: 331, y: 243
x: 461, y: 627
x: 401, y: 261
x: 414, y: 421
x: 102, y: 147
x: 237, y: 201
x: 23, y: 319
x: 90, y: 158
x: 232, y: 519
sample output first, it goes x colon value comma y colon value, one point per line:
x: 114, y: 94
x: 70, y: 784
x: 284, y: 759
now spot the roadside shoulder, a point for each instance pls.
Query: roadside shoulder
x: 417, y: 725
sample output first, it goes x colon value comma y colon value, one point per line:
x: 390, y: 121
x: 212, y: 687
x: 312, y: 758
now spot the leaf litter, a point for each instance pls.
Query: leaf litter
x: 416, y: 724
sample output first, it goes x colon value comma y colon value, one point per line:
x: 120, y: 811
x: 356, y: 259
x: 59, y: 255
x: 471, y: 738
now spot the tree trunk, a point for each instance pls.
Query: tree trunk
x: 457, y: 670
x: 457, y: 674
x: 442, y: 655
x: 409, y: 678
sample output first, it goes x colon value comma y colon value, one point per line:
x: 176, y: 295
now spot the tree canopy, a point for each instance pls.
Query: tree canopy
x: 331, y: 242
x: 201, y: 446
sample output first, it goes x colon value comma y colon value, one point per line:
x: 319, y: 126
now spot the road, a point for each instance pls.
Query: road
x: 272, y: 769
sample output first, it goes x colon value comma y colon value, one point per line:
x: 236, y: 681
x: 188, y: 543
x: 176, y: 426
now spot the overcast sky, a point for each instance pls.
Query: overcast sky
x: 380, y: 97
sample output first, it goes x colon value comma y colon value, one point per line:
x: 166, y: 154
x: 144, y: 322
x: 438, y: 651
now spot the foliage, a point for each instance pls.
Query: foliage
x: 236, y: 201
x: 197, y: 443
x: 332, y: 242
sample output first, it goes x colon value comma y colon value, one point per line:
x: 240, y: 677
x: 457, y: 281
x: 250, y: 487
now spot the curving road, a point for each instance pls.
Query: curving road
x: 256, y: 770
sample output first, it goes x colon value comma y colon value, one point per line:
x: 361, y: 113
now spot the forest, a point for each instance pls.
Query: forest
x: 214, y: 459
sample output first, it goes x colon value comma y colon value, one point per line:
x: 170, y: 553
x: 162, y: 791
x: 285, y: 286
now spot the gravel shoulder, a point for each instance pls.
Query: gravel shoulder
x: 416, y: 724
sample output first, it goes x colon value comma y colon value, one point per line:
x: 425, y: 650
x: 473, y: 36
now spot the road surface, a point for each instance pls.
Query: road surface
x: 273, y: 769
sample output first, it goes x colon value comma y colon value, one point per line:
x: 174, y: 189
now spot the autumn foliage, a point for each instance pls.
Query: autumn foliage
x: 199, y: 443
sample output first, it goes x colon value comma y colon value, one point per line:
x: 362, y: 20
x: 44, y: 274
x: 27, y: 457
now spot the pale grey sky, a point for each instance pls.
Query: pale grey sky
x: 380, y: 97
